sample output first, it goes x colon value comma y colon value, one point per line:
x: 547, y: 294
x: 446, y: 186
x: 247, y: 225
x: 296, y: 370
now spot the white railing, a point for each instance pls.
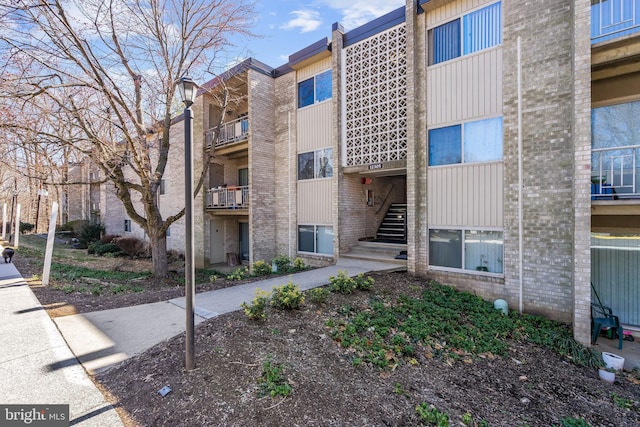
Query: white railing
x: 613, y: 18
x: 614, y: 172
x: 232, y: 197
x: 228, y: 133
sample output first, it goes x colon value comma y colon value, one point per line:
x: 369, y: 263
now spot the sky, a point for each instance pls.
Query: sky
x: 287, y: 26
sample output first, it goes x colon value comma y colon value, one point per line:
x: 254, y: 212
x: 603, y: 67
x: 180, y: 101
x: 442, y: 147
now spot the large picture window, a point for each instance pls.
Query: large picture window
x: 471, y: 142
x: 314, y: 90
x: 476, y: 31
x: 472, y: 250
x: 315, y: 164
x: 315, y: 239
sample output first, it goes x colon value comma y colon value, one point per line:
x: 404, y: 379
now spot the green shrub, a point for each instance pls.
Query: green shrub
x: 343, y: 283
x: 238, y: 274
x: 256, y: 310
x: 261, y: 268
x: 298, y: 264
x: 90, y: 233
x: 287, y: 297
x: 109, y: 248
x: 319, y: 295
x: 363, y: 283
x: 26, y: 227
x: 283, y: 263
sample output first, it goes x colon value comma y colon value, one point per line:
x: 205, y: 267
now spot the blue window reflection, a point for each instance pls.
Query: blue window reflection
x: 305, y: 93
x: 323, y: 86
x: 445, y: 146
x: 483, y: 140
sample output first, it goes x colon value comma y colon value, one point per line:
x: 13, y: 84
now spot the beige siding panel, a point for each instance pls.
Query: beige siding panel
x: 314, y: 202
x: 466, y: 195
x: 314, y: 127
x: 313, y: 69
x: 465, y: 88
x: 453, y: 10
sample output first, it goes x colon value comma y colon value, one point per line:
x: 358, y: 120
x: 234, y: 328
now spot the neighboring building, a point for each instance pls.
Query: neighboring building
x: 495, y: 142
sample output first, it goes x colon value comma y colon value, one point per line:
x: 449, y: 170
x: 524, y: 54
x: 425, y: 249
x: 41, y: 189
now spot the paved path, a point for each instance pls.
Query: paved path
x: 103, y: 338
x: 36, y: 365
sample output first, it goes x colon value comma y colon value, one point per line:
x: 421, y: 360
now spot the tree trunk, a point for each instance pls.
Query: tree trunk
x: 159, y: 256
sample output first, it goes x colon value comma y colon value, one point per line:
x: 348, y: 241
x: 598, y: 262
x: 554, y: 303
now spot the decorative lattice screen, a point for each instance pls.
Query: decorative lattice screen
x: 376, y: 98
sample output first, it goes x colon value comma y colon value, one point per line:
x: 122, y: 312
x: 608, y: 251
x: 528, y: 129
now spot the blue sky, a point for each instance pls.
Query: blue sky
x: 287, y: 26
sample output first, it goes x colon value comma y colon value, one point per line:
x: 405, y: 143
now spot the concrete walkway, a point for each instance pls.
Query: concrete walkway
x: 103, y: 338
x: 36, y: 365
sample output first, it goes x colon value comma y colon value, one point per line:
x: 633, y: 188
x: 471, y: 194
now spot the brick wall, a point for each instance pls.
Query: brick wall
x: 262, y: 166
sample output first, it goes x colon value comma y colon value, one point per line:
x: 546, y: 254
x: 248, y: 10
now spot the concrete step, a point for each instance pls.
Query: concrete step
x: 377, y: 251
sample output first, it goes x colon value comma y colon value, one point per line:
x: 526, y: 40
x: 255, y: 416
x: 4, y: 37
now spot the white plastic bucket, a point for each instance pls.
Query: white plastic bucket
x: 613, y: 361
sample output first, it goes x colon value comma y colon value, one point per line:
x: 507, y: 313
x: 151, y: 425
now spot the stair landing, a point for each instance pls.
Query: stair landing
x: 377, y: 251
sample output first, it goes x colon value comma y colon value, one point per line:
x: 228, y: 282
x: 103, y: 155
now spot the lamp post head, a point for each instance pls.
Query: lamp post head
x: 188, y: 90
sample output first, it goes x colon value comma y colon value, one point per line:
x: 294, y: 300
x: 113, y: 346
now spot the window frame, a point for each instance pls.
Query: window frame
x: 463, y: 238
x: 462, y: 143
x: 462, y: 46
x: 314, y: 88
x: 316, y: 233
x: 127, y: 225
x: 317, y: 154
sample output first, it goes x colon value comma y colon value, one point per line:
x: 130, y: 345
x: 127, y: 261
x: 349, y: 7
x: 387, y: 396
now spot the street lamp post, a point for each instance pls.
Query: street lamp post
x: 187, y: 89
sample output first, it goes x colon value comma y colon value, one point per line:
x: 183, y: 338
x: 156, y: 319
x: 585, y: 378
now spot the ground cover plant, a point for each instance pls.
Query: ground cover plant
x: 395, y: 350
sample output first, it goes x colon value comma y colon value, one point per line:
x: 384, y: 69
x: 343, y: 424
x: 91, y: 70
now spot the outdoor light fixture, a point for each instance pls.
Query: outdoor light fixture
x: 188, y: 90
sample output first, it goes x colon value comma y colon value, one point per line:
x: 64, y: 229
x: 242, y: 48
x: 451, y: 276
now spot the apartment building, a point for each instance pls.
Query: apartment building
x: 492, y: 143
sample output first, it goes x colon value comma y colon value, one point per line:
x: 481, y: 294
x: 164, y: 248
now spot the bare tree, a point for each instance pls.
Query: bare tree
x: 107, y: 69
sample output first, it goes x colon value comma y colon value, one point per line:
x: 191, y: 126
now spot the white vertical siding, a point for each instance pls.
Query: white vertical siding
x: 313, y: 69
x: 314, y: 202
x: 466, y: 195
x: 314, y: 127
x: 452, y: 10
x: 465, y: 88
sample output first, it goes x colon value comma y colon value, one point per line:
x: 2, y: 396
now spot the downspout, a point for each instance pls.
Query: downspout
x: 520, y: 228
x: 289, y: 176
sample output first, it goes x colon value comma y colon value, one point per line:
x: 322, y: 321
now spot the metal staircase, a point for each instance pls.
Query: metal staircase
x: 393, y: 228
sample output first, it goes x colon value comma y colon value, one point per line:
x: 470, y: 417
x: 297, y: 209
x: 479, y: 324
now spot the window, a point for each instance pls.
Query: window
x: 471, y: 142
x: 314, y: 90
x: 168, y: 231
x: 315, y: 239
x: 163, y: 187
x: 315, y: 164
x: 127, y: 226
x: 472, y: 250
x: 476, y: 31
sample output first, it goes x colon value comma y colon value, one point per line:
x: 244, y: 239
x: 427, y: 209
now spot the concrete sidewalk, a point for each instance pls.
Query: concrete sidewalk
x: 36, y: 365
x: 103, y: 338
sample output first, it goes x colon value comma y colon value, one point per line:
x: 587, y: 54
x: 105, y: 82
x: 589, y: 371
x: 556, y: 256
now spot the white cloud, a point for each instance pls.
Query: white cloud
x: 358, y: 12
x: 305, y: 20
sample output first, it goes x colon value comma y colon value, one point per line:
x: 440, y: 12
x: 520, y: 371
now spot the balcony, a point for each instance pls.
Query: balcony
x: 228, y: 133
x: 229, y: 198
x: 614, y: 173
x: 614, y: 18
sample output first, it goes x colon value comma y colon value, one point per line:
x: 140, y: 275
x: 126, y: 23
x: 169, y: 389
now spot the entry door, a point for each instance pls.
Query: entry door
x: 216, y: 241
x: 243, y: 240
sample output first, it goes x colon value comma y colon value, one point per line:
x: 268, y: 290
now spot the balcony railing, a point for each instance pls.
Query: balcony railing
x: 230, y: 132
x: 614, y: 173
x: 233, y: 197
x: 613, y: 18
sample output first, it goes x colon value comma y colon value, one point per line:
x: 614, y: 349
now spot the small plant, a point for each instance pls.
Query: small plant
x: 283, y: 263
x: 467, y: 419
x: 431, y: 416
x: 68, y: 289
x: 256, y: 310
x: 364, y: 283
x: 97, y: 289
x: 287, y: 297
x: 298, y: 264
x: 623, y: 402
x: 26, y: 227
x: 213, y: 278
x: 271, y: 382
x: 574, y: 422
x: 261, y: 268
x: 107, y: 248
x: 238, y: 274
x: 319, y: 295
x: 342, y: 283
